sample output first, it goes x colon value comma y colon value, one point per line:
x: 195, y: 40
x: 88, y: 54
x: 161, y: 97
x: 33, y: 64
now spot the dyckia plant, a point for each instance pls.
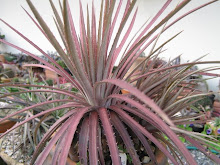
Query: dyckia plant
x: 99, y: 113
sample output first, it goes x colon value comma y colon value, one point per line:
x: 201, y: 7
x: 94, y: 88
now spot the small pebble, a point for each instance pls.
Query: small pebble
x: 7, y: 145
x: 146, y: 159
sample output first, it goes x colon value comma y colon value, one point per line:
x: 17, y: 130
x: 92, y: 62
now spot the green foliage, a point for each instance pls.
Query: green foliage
x: 62, y: 64
x: 74, y: 90
x: 217, y: 122
x: 217, y: 138
x: 12, y: 89
x: 50, y: 82
x: 9, y: 57
x: 202, y: 103
x: 185, y: 127
x: 215, y: 146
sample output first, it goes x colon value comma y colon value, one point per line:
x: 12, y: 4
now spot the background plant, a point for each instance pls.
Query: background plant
x: 31, y: 132
x: 2, y: 36
x: 98, y: 113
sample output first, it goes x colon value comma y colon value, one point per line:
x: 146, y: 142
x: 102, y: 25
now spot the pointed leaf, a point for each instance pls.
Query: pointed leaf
x: 126, y: 138
x: 93, y: 127
x: 83, y: 141
x: 103, y: 114
x: 72, y: 128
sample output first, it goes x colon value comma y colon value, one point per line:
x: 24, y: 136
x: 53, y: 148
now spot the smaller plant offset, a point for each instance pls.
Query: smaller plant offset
x: 99, y: 118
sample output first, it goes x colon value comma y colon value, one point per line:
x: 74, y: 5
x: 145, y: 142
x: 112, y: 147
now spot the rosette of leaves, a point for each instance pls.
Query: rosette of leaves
x: 98, y: 113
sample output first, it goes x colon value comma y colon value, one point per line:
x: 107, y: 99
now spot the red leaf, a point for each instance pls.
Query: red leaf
x: 72, y: 128
x: 109, y: 136
x: 30, y: 107
x: 83, y: 141
x: 93, y: 127
x: 59, y: 147
x: 100, y: 151
x: 37, y: 115
x: 126, y: 138
x: 139, y: 134
x: 42, y: 157
x: 49, y: 133
x: 148, y: 101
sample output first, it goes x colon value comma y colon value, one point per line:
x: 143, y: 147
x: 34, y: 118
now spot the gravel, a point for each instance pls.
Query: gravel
x: 3, y: 111
x: 9, y: 146
x: 200, y: 158
x: 10, y: 142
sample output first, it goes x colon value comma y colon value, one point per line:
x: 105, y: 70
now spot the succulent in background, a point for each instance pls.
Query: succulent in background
x: 32, y: 132
x: 2, y: 36
x: 99, y: 116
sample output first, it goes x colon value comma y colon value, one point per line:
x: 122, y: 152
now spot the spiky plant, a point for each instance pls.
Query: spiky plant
x: 99, y: 114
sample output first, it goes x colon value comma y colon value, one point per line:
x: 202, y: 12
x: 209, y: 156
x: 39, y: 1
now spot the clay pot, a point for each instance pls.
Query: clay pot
x: 134, y: 65
x: 5, y: 125
x: 160, y: 157
x: 2, y: 58
x: 216, y: 105
x: 216, y: 109
x: 51, y: 75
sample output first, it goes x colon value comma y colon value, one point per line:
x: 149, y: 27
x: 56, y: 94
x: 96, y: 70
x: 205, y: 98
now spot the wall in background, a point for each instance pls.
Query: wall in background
x: 201, y: 33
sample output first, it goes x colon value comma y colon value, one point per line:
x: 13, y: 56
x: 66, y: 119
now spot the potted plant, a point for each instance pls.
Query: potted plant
x: 203, y: 107
x: 4, y: 126
x: 216, y: 108
x: 99, y: 117
x: 33, y: 130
